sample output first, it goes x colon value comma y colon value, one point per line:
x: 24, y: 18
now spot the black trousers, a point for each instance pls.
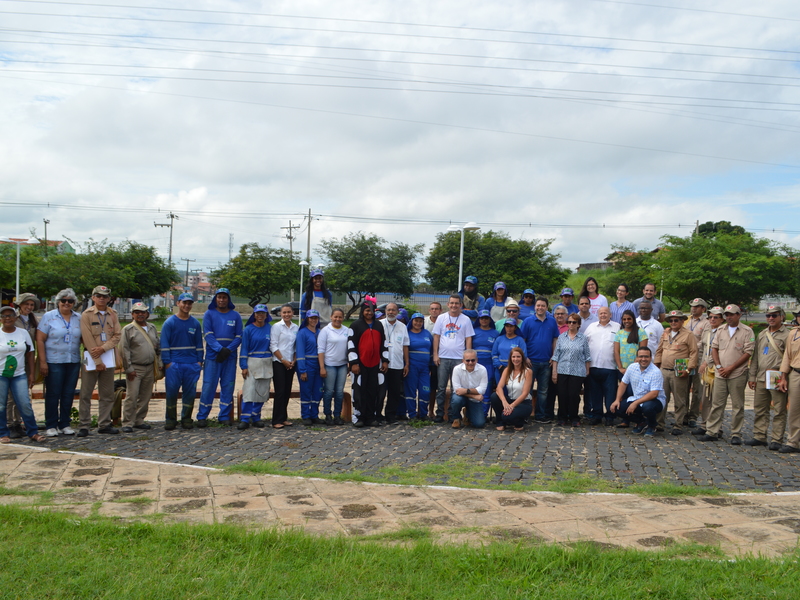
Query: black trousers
x: 569, y: 396
x: 282, y: 379
x: 367, y: 393
x: 395, y: 395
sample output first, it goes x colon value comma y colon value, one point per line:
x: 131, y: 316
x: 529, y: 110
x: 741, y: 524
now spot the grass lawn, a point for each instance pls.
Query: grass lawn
x: 54, y: 555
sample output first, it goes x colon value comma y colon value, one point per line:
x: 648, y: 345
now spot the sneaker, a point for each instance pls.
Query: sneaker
x: 67, y: 431
x: 52, y: 432
x: 736, y: 441
x: 542, y: 420
x: 677, y: 431
x: 576, y: 423
x: 651, y: 432
x: 640, y: 428
x: 127, y: 430
x: 774, y: 446
x: 108, y: 429
x: 83, y: 433
x: 456, y: 424
x: 142, y: 426
x: 243, y: 425
x: 787, y: 449
x: 202, y: 423
x: 754, y: 442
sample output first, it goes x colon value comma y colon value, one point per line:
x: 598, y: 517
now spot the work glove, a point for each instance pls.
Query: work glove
x: 223, y: 355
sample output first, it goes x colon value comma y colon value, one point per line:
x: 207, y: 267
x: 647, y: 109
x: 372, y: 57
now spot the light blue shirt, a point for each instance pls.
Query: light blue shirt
x: 644, y: 382
x: 57, y: 328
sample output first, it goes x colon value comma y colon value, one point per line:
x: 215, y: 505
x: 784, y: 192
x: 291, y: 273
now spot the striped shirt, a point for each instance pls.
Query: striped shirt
x: 644, y: 382
x: 572, y: 355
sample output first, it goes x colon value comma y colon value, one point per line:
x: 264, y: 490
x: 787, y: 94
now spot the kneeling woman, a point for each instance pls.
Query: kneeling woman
x: 512, y: 400
x: 308, y: 369
x: 255, y: 361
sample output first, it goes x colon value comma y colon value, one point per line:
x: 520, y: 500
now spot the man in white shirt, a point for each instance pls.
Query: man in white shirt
x: 397, y: 341
x: 601, y: 385
x: 452, y: 335
x: 653, y: 328
x: 469, y: 383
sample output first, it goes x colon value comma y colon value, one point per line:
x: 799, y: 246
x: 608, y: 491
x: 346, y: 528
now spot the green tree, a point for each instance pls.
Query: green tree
x: 631, y: 266
x: 726, y: 268
x: 711, y: 228
x: 258, y: 272
x: 493, y: 256
x: 361, y: 263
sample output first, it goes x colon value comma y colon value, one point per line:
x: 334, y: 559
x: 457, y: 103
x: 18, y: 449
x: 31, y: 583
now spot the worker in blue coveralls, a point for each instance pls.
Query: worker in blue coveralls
x: 318, y: 297
x: 471, y: 301
x: 255, y: 361
x: 308, y: 371
x: 482, y: 343
x: 182, y: 355
x: 222, y: 331
x: 420, y: 358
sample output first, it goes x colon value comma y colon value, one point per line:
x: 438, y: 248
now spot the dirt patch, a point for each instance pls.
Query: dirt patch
x: 364, y: 528
x: 299, y: 499
x: 791, y: 524
x: 8, y: 456
x: 317, y: 515
x: 705, y: 536
x: 91, y: 462
x: 235, y: 504
x: 187, y: 492
x: 78, y: 496
x: 611, y: 521
x: 79, y: 482
x: 184, y: 506
x: 263, y: 495
x: 726, y: 501
x: 754, y: 535
x: 126, y: 494
x: 656, y: 541
x: 758, y: 512
x: 130, y: 482
x: 52, y: 464
x: 674, y: 501
x: 411, y: 509
x: 357, y: 511
x: 443, y: 521
x: 92, y: 472
x: 520, y: 501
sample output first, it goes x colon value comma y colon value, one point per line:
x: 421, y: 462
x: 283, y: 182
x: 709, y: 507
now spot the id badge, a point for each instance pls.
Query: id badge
x: 103, y: 337
x: 67, y: 338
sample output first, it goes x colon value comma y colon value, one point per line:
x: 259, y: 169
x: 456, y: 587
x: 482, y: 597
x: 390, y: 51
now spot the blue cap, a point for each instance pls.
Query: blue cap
x: 261, y: 308
x: 484, y: 313
x: 510, y: 322
x: 529, y: 291
x: 378, y: 314
x: 471, y: 279
x: 316, y: 272
x: 223, y: 291
x: 186, y: 296
x: 312, y: 313
x: 499, y: 285
x: 417, y: 316
x: 567, y: 292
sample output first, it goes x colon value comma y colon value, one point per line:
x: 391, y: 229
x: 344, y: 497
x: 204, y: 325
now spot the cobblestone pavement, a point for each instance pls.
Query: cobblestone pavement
x: 85, y: 485
x: 613, y: 454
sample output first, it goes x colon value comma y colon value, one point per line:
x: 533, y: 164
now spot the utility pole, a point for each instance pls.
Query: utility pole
x: 230, y: 246
x: 171, y: 216
x: 188, y: 260
x: 290, y: 237
x: 46, y: 221
x: 308, y: 246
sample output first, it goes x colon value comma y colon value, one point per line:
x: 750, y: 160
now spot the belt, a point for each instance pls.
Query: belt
x: 795, y: 370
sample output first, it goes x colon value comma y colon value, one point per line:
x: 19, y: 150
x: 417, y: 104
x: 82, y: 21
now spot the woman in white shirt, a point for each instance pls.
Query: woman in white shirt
x: 332, y: 348
x: 511, y: 400
x: 282, y: 342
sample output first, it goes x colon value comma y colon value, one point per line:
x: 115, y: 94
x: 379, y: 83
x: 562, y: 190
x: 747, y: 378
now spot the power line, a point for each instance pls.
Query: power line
x: 701, y: 10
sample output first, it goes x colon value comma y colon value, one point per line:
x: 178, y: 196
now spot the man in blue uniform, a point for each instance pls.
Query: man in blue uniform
x: 222, y: 331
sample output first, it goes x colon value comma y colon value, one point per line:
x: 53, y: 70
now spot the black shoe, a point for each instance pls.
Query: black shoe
x: 318, y: 421
x: 169, y: 426
x: 358, y: 423
x: 108, y: 429
x: 691, y: 423
x: 709, y: 438
x: 187, y: 424
x: 16, y: 432
x: 142, y: 426
x: 202, y: 423
x: 594, y: 422
x: 227, y: 423
x: 338, y: 421
x: 402, y: 418
x: 258, y: 424
x: 307, y: 422
x: 329, y: 420
x: 243, y: 425
x: 774, y: 446
x: 127, y: 430
x: 755, y: 442
x: 376, y: 423
x: 438, y: 419
x: 736, y: 441
x: 391, y: 421
x: 677, y: 431
x: 82, y: 433
x: 699, y: 431
x: 786, y: 449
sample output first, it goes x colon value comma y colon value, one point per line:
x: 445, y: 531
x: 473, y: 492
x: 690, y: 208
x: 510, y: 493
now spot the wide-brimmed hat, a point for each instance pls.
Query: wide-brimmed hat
x: 139, y: 307
x: 717, y: 310
x: 699, y: 302
x: 101, y: 290
x: 27, y: 296
x: 676, y: 313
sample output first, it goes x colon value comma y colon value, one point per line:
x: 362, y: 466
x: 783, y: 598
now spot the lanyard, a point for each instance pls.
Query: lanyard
x: 102, y: 319
x: 67, y: 325
x: 692, y: 327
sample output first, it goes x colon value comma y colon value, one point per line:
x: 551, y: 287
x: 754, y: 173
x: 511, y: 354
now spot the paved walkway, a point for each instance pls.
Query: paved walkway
x: 767, y: 524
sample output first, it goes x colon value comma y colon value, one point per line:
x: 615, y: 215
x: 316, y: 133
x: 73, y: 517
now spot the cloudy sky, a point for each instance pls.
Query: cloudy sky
x: 592, y: 122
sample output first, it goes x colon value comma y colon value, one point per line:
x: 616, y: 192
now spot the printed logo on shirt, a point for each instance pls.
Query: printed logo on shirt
x: 451, y: 330
x: 231, y: 323
x: 192, y: 330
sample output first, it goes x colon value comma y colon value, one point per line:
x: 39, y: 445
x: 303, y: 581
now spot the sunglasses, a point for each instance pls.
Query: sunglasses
x: 470, y: 360
x: 674, y: 320
x: 773, y: 315
x: 572, y: 322
x: 67, y: 301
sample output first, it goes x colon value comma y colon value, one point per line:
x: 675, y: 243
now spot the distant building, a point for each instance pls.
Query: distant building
x: 598, y: 266
x: 60, y: 246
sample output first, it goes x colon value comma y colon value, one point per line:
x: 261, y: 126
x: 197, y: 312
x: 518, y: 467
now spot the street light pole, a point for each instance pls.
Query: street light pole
x: 471, y: 226
x: 31, y: 240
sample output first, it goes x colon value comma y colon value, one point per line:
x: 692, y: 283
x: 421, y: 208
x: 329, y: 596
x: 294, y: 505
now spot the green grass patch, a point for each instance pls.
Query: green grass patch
x: 54, y: 555
x: 6, y: 491
x: 460, y: 472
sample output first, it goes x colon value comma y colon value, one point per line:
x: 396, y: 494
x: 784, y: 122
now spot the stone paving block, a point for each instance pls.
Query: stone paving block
x: 241, y: 491
x: 570, y: 531
x: 235, y: 503
x: 282, y: 502
x: 127, y: 510
x: 192, y: 505
x: 249, y: 518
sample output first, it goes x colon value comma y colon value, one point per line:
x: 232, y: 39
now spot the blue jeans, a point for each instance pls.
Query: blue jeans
x: 602, y: 391
x: 19, y: 390
x: 59, y: 393
x: 542, y: 374
x: 334, y: 389
x: 225, y: 375
x: 646, y: 410
x: 475, y: 414
x: 177, y: 376
x: 444, y: 372
x: 518, y: 414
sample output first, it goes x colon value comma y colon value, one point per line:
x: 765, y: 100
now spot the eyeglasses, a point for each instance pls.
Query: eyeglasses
x: 470, y: 360
x: 572, y: 322
x: 773, y: 315
x: 67, y: 301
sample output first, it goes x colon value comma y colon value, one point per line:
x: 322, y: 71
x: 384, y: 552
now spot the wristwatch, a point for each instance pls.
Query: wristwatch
x: 718, y: 366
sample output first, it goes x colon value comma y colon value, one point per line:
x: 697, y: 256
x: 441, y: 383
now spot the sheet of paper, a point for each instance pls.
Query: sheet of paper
x: 107, y: 359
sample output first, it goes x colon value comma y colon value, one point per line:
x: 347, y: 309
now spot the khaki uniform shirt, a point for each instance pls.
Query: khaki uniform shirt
x: 136, y: 350
x: 683, y: 345
x: 731, y: 349
x: 704, y: 347
x: 791, y: 357
x: 92, y: 328
x: 765, y: 358
x: 697, y: 327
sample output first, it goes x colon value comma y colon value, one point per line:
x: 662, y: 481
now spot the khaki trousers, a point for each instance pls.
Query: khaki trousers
x: 705, y: 403
x: 697, y: 396
x: 137, y: 396
x: 104, y: 380
x: 761, y: 404
x: 677, y: 388
x: 722, y: 389
x: 794, y: 410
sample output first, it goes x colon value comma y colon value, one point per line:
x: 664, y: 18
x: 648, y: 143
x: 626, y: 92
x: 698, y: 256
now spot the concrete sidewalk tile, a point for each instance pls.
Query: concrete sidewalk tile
x: 539, y: 514
x: 437, y: 522
x: 286, y: 485
x: 425, y: 507
x: 295, y: 501
x: 358, y: 495
x: 389, y: 494
x: 235, y: 503
x: 245, y: 491
x: 590, y: 510
x: 716, y: 516
x: 623, y: 525
x: 467, y: 503
x: 190, y: 517
x: 652, y: 541
x: 196, y: 491
x: 127, y: 510
x: 492, y: 518
x: 632, y: 505
x: 514, y: 534
x: 570, y: 531
x: 185, y: 479
x: 755, y: 533
x: 669, y: 521
x: 79, y: 510
x: 231, y: 479
x: 78, y: 495
x: 704, y: 535
x: 193, y: 505
x: 18, y: 499
x: 260, y: 519
x: 110, y: 494
x: 84, y: 483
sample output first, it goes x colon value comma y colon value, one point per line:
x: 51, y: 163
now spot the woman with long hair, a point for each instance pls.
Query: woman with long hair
x: 621, y: 304
x: 627, y: 342
x: 571, y: 363
x: 591, y: 289
x: 332, y: 348
x: 511, y: 401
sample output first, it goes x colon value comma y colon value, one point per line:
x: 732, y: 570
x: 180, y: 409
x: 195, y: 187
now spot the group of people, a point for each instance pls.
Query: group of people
x: 512, y: 360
